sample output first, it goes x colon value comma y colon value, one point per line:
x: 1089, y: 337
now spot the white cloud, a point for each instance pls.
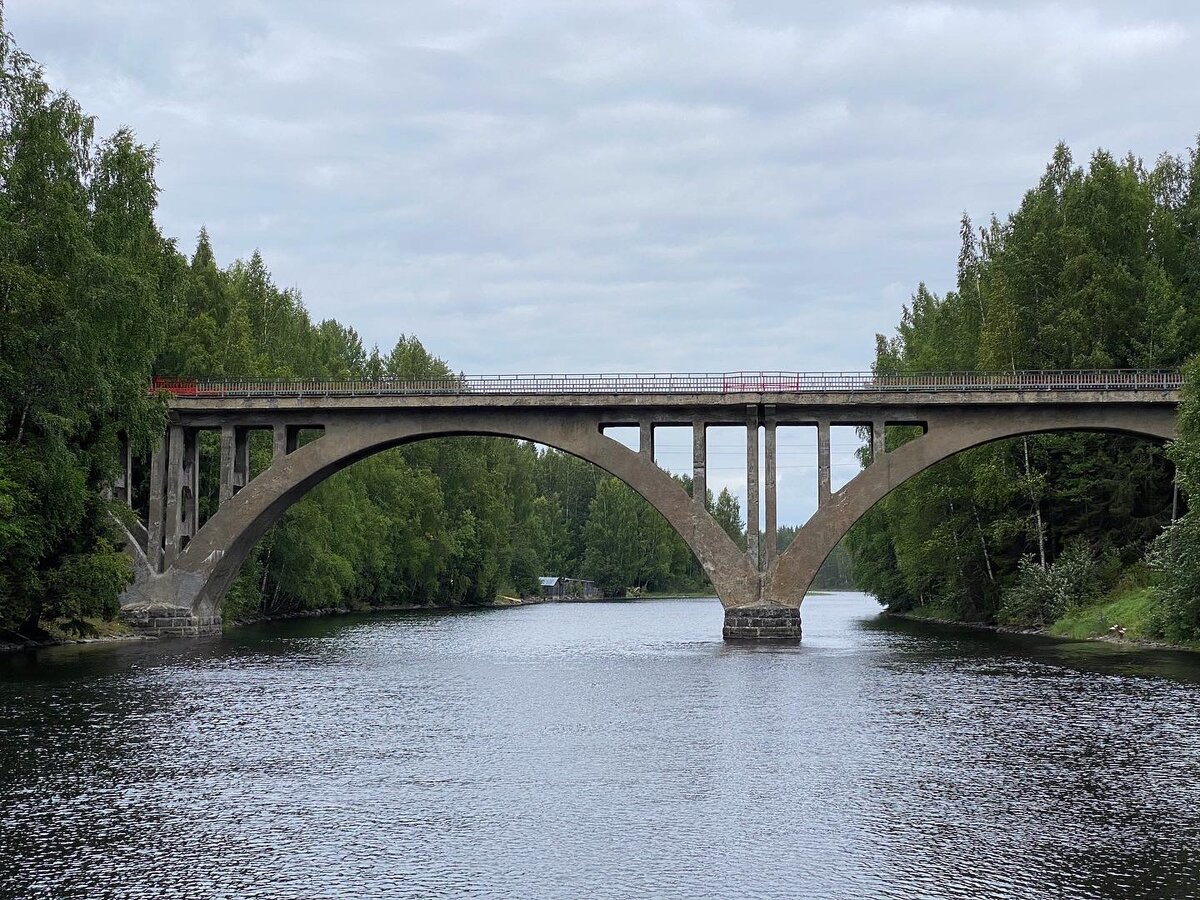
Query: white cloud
x: 664, y: 185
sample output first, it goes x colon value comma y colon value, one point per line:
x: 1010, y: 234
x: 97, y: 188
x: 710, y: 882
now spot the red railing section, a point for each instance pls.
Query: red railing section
x: 722, y: 383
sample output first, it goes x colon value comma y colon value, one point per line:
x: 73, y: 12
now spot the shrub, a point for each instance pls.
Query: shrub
x: 1039, y: 596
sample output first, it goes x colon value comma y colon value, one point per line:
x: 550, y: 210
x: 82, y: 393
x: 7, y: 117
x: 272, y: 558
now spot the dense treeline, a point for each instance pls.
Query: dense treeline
x: 94, y: 300
x: 1098, y: 268
x: 81, y: 320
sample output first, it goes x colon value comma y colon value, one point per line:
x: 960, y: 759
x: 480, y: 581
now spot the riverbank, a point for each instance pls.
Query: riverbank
x: 107, y: 631
x: 61, y: 632
x: 1123, y: 617
x: 58, y: 633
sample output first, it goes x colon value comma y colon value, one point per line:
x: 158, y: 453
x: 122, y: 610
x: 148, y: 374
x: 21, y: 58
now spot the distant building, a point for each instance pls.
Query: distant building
x: 568, y: 588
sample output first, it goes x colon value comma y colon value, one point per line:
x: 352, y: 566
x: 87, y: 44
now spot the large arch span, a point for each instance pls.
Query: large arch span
x: 787, y: 581
x: 204, y: 570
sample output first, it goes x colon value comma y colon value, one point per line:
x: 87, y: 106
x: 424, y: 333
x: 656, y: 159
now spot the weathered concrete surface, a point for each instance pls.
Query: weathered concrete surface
x: 762, y: 623
x: 191, y: 569
x: 203, y: 571
x: 158, y: 620
x: 849, y: 407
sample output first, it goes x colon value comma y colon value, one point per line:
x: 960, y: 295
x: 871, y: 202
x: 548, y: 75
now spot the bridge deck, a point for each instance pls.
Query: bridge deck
x: 673, y: 391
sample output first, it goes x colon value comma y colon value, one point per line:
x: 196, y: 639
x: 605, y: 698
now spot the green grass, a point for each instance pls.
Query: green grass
x: 88, y: 627
x: 1131, y: 608
x: 940, y: 612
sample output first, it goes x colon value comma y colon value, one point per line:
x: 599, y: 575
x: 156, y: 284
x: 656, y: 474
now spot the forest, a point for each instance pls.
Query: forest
x: 1099, y: 267
x: 94, y: 301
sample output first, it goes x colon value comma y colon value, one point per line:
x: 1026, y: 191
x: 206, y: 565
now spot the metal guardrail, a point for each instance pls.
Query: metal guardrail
x: 720, y: 383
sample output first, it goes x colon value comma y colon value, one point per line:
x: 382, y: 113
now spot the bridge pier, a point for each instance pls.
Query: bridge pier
x: 161, y: 620
x: 762, y: 623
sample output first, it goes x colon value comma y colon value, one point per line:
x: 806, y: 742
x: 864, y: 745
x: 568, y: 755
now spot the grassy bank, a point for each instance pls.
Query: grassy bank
x: 934, y: 612
x: 68, y: 631
x: 1131, y: 608
x: 1132, y: 605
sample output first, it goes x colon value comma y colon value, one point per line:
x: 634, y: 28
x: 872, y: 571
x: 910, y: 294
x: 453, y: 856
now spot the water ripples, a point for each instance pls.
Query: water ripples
x: 610, y: 750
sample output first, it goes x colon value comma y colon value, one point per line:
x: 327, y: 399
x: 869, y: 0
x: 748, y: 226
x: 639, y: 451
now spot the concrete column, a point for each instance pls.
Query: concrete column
x: 172, y: 514
x: 699, y: 464
x: 878, y: 429
x: 122, y: 488
x: 157, y: 516
x: 228, y: 447
x: 189, y: 486
x: 280, y: 446
x: 752, y: 486
x: 772, y: 525
x: 646, y: 440
x: 241, y: 458
x: 824, y: 471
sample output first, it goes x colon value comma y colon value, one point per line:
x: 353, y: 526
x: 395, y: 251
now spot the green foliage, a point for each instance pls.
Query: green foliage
x: 628, y: 544
x: 1175, y: 555
x: 1039, y: 595
x: 87, y: 584
x: 80, y: 321
x: 1133, y: 608
x: 728, y: 514
x: 1097, y: 268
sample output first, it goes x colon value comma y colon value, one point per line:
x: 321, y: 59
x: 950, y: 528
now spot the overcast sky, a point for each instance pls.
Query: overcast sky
x: 636, y: 186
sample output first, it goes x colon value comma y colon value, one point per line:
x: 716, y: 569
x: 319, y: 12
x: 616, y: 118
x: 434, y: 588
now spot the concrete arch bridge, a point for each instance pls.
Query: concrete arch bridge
x: 184, y: 568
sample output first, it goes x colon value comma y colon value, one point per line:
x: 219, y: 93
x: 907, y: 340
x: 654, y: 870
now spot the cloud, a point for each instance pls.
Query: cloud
x: 677, y: 185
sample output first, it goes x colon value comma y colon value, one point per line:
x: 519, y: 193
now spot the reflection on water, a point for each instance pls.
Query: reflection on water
x: 604, y: 750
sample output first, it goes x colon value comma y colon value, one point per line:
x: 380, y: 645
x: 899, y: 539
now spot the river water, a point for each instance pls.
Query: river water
x: 599, y: 750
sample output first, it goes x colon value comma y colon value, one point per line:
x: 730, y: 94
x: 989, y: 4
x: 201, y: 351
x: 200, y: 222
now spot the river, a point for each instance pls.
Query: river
x: 599, y: 750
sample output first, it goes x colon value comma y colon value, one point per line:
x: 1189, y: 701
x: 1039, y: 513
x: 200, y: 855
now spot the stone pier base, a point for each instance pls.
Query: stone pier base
x: 170, y: 621
x: 762, y: 623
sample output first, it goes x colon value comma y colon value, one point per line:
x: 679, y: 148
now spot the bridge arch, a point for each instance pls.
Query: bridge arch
x: 792, y: 572
x: 205, y: 569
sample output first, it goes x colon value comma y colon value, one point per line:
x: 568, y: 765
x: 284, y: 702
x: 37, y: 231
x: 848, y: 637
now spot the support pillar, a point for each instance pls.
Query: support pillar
x: 172, y: 513
x: 228, y: 447
x: 646, y: 440
x: 878, y: 430
x: 824, y: 470
x: 235, y: 460
x: 189, y: 486
x: 280, y: 443
x: 122, y: 488
x: 241, y: 458
x: 752, y: 512
x: 762, y: 623
x: 770, y: 535
x: 158, y: 515
x: 699, y: 464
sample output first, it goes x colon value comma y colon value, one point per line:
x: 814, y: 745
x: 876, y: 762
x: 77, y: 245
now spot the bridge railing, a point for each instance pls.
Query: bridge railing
x: 699, y: 383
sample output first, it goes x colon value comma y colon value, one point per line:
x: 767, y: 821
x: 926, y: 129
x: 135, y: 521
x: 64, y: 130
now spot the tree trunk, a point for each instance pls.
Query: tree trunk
x: 1037, y: 507
x: 987, y: 559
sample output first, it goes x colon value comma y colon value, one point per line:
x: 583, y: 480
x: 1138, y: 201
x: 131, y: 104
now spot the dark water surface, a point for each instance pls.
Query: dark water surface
x: 606, y: 750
